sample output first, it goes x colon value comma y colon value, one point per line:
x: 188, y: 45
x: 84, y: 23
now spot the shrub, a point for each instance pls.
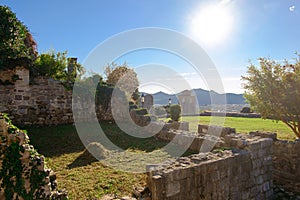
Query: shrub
x: 175, y: 112
x: 55, y: 65
x: 17, y: 47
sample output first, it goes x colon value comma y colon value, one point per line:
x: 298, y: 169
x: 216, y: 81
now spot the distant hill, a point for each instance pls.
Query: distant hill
x: 203, y: 97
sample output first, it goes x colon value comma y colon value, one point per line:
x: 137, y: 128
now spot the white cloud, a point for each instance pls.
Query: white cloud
x: 292, y: 8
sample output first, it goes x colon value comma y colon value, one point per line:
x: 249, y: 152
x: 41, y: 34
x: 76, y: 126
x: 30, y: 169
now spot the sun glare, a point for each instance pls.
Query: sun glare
x: 211, y: 24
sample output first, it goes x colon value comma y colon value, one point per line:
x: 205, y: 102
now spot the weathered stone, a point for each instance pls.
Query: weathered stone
x: 29, y: 162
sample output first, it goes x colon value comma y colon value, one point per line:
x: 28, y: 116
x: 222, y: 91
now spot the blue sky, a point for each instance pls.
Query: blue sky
x: 232, y: 32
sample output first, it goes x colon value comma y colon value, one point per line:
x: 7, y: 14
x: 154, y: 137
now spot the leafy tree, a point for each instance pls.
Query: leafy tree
x: 17, y: 47
x: 54, y: 65
x: 123, y: 77
x: 274, y: 91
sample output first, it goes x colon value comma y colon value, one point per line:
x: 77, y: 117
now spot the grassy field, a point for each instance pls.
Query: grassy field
x: 81, y: 174
x: 86, y: 178
x: 245, y: 125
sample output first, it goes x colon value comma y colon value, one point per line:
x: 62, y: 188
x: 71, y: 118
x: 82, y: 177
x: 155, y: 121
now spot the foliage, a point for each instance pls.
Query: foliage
x: 12, y: 171
x: 175, y: 112
x: 55, y: 65
x: 124, y: 78
x: 274, y: 91
x: 17, y: 47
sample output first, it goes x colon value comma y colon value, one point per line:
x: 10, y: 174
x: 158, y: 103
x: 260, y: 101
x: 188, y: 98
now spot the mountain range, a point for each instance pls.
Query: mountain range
x: 203, y: 97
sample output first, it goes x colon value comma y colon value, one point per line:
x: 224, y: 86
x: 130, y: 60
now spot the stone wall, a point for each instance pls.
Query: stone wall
x: 46, y: 102
x: 287, y: 165
x: 178, y: 125
x: 221, y: 131
x: 243, y: 173
x: 22, y: 170
x: 286, y: 162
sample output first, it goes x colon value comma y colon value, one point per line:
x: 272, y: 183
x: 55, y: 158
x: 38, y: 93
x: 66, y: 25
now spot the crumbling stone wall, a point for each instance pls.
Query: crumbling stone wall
x: 23, y: 174
x: 47, y: 102
x: 205, y: 129
x: 245, y: 172
x: 287, y: 164
x: 178, y: 125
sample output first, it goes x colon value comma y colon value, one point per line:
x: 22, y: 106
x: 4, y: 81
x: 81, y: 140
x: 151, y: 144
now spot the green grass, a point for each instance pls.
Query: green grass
x: 86, y: 178
x: 80, y: 173
x: 245, y: 125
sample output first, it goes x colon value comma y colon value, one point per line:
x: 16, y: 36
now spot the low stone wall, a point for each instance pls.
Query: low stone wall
x: 238, y: 174
x: 286, y: 162
x: 178, y: 125
x: 287, y: 165
x: 22, y: 170
x: 188, y: 140
x: 218, y: 130
x: 230, y: 114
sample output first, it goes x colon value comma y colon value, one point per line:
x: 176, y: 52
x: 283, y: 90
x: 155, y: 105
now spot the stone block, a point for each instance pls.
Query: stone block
x: 172, y: 189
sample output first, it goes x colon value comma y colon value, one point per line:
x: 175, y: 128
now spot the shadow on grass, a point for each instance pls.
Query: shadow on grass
x: 63, y: 139
x: 54, y: 141
x: 84, y: 159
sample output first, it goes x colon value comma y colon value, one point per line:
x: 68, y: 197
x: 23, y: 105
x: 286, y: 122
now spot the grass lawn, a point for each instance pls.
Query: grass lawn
x: 245, y: 125
x: 86, y: 178
x: 81, y: 174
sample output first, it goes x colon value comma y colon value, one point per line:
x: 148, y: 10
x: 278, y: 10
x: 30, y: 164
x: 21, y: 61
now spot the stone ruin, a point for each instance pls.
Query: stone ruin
x: 148, y: 101
x: 240, y: 166
x: 23, y: 174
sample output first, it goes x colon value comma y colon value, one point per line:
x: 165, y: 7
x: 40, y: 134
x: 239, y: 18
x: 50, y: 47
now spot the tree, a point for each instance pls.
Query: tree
x: 54, y: 65
x: 17, y: 47
x: 274, y: 91
x: 123, y: 77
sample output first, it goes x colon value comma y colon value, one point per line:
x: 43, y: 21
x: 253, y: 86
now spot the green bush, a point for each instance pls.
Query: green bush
x: 17, y: 47
x: 175, y: 112
x: 55, y: 65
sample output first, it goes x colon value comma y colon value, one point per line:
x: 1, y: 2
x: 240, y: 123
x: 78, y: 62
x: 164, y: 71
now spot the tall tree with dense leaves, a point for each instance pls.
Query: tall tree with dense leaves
x: 17, y: 47
x: 274, y: 91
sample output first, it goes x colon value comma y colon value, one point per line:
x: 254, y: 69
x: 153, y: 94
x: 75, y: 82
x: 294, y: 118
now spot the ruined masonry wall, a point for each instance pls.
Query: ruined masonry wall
x: 246, y: 172
x: 287, y: 165
x: 47, y: 102
x: 224, y: 175
x: 22, y: 170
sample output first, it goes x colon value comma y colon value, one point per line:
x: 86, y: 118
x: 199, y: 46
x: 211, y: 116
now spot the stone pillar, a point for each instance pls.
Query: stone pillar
x: 23, y: 75
x: 148, y: 101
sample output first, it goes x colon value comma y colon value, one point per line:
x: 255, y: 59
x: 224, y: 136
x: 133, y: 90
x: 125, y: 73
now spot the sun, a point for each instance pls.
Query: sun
x: 212, y: 24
